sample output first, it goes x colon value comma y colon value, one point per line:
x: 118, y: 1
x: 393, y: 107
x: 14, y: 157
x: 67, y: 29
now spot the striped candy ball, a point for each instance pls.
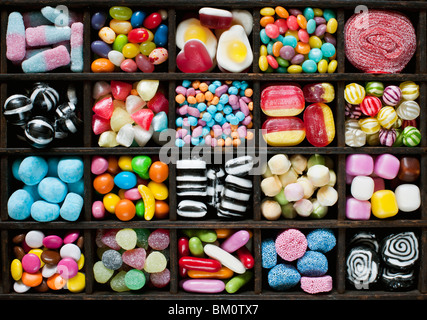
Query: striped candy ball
x: 374, y: 88
x: 408, y: 110
x: 411, y: 136
x: 410, y: 90
x: 373, y: 139
x: 39, y: 132
x: 369, y: 125
x: 387, y: 137
x: 392, y: 95
x: 387, y: 116
x: 370, y: 105
x: 44, y: 97
x: 351, y: 124
x: 354, y: 93
x: 355, y: 138
x: 352, y: 111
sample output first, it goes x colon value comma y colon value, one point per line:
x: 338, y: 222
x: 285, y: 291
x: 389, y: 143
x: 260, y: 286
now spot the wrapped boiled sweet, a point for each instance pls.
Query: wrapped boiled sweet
x: 282, y: 100
x: 17, y: 109
x: 283, y: 131
x: 319, y: 92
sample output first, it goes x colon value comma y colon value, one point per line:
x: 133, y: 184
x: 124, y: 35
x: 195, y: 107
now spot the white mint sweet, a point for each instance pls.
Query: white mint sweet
x: 318, y: 175
x: 408, y: 197
x: 34, y: 238
x: 279, y: 164
x: 362, y: 187
x: 327, y: 196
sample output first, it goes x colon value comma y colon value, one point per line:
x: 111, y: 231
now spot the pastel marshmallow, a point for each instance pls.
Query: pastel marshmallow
x: 408, y: 197
x: 362, y: 187
x: 387, y: 166
x: 359, y: 165
x: 357, y: 209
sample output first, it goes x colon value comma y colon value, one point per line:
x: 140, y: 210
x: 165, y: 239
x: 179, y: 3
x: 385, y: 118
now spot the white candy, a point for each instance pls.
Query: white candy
x: 408, y: 197
x: 49, y: 270
x: 226, y: 259
x: 270, y: 209
x: 294, y: 192
x: 362, y: 187
x: 299, y: 163
x: 34, y: 238
x: 303, y: 207
x: 318, y: 175
x: 116, y: 57
x: 134, y: 103
x: 306, y: 185
x: 142, y: 136
x: 271, y: 186
x: 289, y: 177
x: 19, y: 287
x: 327, y: 196
x: 355, y: 138
x: 279, y: 164
x: 408, y: 110
x: 70, y: 250
x: 125, y: 135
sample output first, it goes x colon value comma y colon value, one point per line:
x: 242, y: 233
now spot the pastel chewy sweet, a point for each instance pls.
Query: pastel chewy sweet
x: 15, y: 37
x: 47, y: 60
x: 359, y: 164
x: 387, y: 166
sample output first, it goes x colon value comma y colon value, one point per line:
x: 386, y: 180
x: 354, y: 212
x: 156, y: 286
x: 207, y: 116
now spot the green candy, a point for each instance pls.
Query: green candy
x: 120, y: 42
x: 101, y: 273
x: 238, y: 281
x: 196, y: 247
x: 205, y: 235
x: 146, y: 47
x: 319, y: 211
x: 280, y: 198
x: 288, y: 211
x: 140, y: 209
x: 118, y: 283
x: 316, y: 159
x: 374, y: 88
x: 411, y: 136
x: 135, y: 279
x: 282, y: 62
x: 141, y: 164
x: 120, y: 13
x: 142, y: 238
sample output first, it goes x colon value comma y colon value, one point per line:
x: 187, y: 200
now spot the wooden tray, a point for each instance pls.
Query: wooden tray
x: 86, y: 147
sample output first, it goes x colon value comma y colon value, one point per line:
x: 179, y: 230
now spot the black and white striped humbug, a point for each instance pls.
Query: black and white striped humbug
x: 44, y: 97
x: 17, y: 109
x: 39, y: 132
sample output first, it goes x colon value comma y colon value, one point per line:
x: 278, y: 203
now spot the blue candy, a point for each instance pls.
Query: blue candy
x: 160, y: 121
x: 322, y: 240
x: 77, y: 187
x: 308, y: 13
x: 72, y: 207
x: 32, y: 170
x: 328, y: 49
x: 313, y: 264
x: 179, y: 122
x: 328, y: 14
x: 19, y: 205
x: 227, y: 109
x: 161, y: 35
x: 52, y: 189
x: 137, y: 19
x: 309, y: 66
x: 315, y: 54
x: 125, y: 180
x: 201, y: 106
x: 15, y: 168
x: 70, y: 169
x: 43, y: 211
x: 212, y: 109
x: 52, y: 167
x: 179, y: 143
x: 186, y: 83
x: 233, y: 90
x: 263, y: 36
x: 98, y: 20
x: 290, y: 41
x: 268, y: 253
x: 311, y: 26
x: 33, y: 191
x: 283, y: 276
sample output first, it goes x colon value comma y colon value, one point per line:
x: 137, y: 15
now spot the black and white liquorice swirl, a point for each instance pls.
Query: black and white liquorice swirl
x: 400, y: 250
x: 398, y: 280
x: 363, y: 266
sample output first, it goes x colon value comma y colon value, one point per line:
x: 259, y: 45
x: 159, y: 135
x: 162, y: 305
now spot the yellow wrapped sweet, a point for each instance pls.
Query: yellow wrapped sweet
x: 387, y: 116
x: 354, y: 93
x: 384, y: 204
x: 369, y: 125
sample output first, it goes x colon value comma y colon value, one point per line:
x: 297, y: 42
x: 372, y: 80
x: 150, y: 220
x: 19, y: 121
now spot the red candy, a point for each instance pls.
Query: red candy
x: 153, y: 20
x: 283, y: 131
x: 282, y: 25
x: 201, y: 264
x: 292, y: 23
x: 319, y: 124
x: 138, y: 35
x: 213, y: 18
x: 100, y: 125
x: 272, y: 30
x: 245, y: 256
x: 194, y: 57
x: 143, y: 117
x: 282, y: 100
x: 104, y: 108
x: 120, y: 90
x: 143, y: 63
x: 370, y: 105
x: 158, y: 103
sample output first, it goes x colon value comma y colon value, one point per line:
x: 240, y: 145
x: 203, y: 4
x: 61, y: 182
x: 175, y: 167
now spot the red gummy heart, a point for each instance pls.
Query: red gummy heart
x: 143, y: 118
x: 194, y: 57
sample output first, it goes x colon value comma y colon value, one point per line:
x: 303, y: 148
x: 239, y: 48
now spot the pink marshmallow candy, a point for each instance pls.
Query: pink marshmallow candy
x: 357, y: 209
x: 387, y: 166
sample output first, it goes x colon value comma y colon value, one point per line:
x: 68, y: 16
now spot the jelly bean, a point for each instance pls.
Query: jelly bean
x: 147, y: 47
x: 143, y: 63
x: 200, y: 264
x: 16, y: 269
x: 107, y: 35
x: 120, y: 42
x: 102, y: 65
x: 130, y: 50
x: 196, y: 247
x: 282, y: 25
x: 245, y: 256
x: 303, y: 36
x: 138, y: 35
x: 309, y: 66
x: 292, y: 23
x: 153, y: 20
x: 137, y: 19
x: 100, y: 48
x: 328, y: 50
x: 128, y: 65
x: 281, y: 12
x: 234, y: 284
x: 272, y: 62
x: 161, y: 36
x: 235, y: 241
x: 267, y: 11
x: 149, y: 201
x: 263, y: 63
x: 120, y: 27
x: 283, y: 131
x: 272, y: 31
x: 331, y: 26
x: 120, y: 13
x: 183, y: 247
x: 98, y: 20
x: 302, y: 21
x: 294, y: 69
x: 266, y: 20
x: 332, y: 66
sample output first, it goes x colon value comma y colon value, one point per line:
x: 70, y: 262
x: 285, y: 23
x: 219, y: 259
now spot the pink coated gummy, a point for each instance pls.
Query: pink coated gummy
x: 359, y: 165
x: 236, y: 241
x: 15, y: 50
x: 160, y: 279
x: 76, y: 39
x: 387, y: 166
x: 99, y: 165
x: 316, y: 284
x: 159, y: 239
x: 56, y: 57
x: 135, y: 258
x: 52, y: 242
x: 358, y: 209
x: 109, y: 239
x: 291, y: 244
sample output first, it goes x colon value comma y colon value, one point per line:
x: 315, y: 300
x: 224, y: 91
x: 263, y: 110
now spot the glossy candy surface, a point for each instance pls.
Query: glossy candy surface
x: 319, y: 124
x: 282, y: 100
x: 283, y: 131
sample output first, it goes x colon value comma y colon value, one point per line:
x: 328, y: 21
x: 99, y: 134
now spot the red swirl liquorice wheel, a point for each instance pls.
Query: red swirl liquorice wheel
x: 378, y: 41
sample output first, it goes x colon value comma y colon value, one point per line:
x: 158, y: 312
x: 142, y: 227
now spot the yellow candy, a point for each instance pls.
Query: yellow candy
x: 318, y: 12
x: 81, y: 262
x: 354, y: 93
x: 38, y: 253
x: 293, y: 33
x: 125, y: 163
x: 77, y: 283
x: 195, y: 32
x: 149, y: 201
x: 107, y: 35
x: 263, y: 63
x: 263, y: 50
x: 369, y: 125
x: 295, y: 68
x: 384, y: 204
x: 332, y: 25
x: 267, y: 11
x: 16, y: 269
x: 387, y: 116
x: 110, y: 201
x: 159, y: 190
x: 237, y: 51
x: 130, y: 50
x: 315, y: 42
x: 322, y: 66
x: 332, y: 66
x: 410, y: 90
x: 120, y: 26
x: 150, y: 35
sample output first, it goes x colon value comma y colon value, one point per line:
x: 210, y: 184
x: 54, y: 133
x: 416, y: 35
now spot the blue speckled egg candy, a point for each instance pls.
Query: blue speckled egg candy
x: 322, y: 240
x: 19, y: 205
x: 313, y: 264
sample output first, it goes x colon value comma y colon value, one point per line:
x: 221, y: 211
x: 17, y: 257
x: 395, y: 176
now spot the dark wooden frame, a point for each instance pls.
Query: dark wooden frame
x: 258, y: 289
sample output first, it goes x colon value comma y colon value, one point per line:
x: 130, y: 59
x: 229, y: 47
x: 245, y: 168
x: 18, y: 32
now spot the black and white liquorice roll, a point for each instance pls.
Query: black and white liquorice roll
x: 44, y: 97
x: 191, y: 209
x: 239, y: 166
x: 216, y: 177
x: 398, y: 280
x: 191, y: 180
x: 363, y: 267
x: 400, y: 250
x: 235, y: 196
x: 365, y: 238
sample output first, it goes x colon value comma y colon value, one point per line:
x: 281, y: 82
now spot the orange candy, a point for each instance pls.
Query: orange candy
x: 161, y: 209
x: 276, y: 49
x: 125, y: 210
x: 223, y: 233
x: 282, y: 12
x: 103, y: 183
x: 266, y: 20
x: 56, y: 282
x: 102, y: 65
x: 159, y: 171
x: 303, y: 48
x: 32, y: 279
x: 302, y: 21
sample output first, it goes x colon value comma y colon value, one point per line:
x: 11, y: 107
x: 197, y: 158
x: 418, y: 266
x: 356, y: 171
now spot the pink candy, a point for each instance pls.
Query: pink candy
x: 291, y: 244
x: 316, y: 284
x: 67, y: 268
x: 387, y: 166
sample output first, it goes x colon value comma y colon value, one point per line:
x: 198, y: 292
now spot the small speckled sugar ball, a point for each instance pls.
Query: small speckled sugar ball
x: 39, y: 132
x: 70, y: 169
x: 17, y: 109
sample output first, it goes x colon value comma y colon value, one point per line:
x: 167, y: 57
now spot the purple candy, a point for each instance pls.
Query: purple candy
x: 295, y: 12
x: 221, y: 90
x: 182, y: 111
x: 71, y: 236
x: 287, y: 52
x: 242, y: 131
x: 320, y: 30
x: 101, y: 48
x: 247, y: 120
x: 233, y: 100
x: 298, y: 59
x: 181, y: 90
x: 330, y: 39
x: 226, y: 128
x: 193, y: 112
x: 392, y: 95
x: 358, y: 209
x: 31, y: 263
x: 236, y: 241
x: 352, y: 111
x: 98, y: 20
x: 387, y: 166
x: 387, y: 137
x: 320, y: 20
x: 244, y: 107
